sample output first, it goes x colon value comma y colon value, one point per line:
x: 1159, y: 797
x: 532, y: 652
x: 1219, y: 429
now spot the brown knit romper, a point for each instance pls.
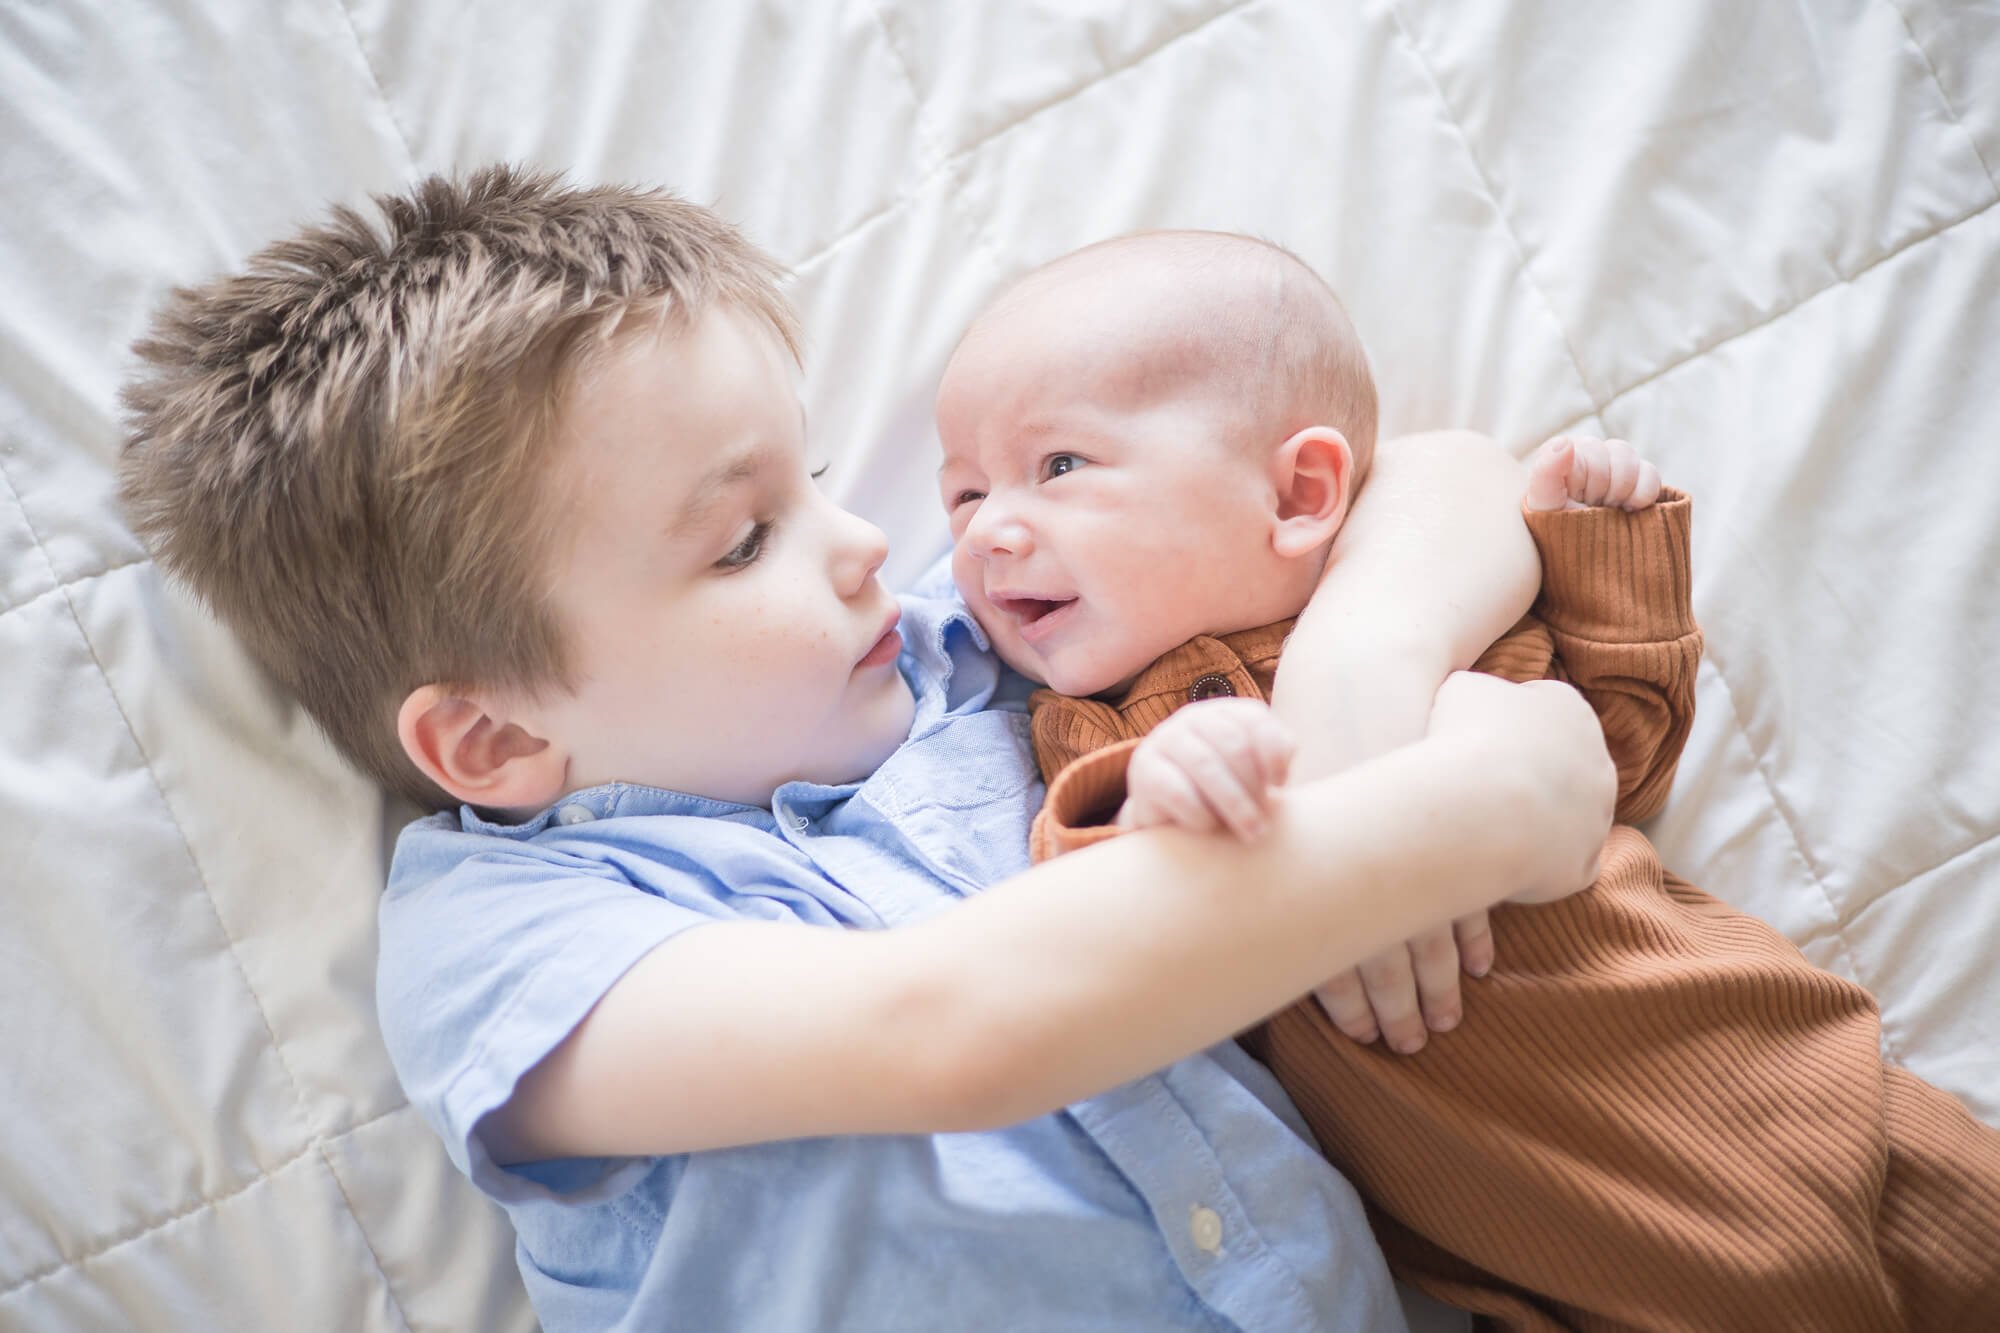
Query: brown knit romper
x: 1656, y: 1114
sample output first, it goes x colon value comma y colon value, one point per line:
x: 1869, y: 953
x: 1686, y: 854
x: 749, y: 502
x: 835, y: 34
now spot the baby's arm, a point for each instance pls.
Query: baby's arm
x: 1040, y: 991
x: 1617, y: 603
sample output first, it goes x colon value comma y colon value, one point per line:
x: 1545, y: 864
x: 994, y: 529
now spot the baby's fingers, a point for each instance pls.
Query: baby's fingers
x: 1590, y: 473
x: 1622, y: 464
x: 1239, y: 805
x: 1548, y: 475
x: 1272, y: 748
x: 1646, y: 490
x: 1159, y: 792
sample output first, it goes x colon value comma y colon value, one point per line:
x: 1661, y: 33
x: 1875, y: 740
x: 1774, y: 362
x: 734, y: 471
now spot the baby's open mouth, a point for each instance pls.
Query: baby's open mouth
x: 1030, y: 609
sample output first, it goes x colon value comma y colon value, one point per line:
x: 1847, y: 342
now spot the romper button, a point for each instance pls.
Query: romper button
x: 1210, y: 686
x: 575, y: 814
x: 1206, y: 1228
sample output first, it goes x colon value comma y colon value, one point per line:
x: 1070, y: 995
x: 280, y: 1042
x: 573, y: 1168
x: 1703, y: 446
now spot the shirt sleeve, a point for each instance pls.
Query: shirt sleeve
x: 1617, y: 604
x: 486, y: 965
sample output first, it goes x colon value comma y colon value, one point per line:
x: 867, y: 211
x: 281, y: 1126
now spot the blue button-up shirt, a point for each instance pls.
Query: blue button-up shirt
x: 1189, y: 1199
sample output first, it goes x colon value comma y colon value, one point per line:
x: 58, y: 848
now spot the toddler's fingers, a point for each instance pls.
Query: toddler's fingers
x: 1475, y: 943
x: 1434, y: 960
x: 1391, y: 982
x: 1346, y: 1003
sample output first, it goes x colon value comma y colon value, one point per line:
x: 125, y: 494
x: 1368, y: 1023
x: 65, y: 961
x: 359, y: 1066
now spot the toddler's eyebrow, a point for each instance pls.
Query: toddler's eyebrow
x: 708, y: 492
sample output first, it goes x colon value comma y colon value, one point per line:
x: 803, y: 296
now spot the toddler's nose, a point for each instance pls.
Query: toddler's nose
x: 860, y: 551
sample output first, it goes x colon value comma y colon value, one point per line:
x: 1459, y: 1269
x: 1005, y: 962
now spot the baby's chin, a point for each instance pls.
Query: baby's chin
x: 1086, y: 681
x: 1079, y: 674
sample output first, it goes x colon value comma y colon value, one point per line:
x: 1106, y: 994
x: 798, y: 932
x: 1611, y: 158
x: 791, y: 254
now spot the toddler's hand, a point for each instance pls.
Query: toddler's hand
x: 1212, y: 765
x: 1577, y: 472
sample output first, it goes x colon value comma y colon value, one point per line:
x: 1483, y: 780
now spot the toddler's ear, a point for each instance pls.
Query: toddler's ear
x: 470, y: 748
x: 1313, y: 473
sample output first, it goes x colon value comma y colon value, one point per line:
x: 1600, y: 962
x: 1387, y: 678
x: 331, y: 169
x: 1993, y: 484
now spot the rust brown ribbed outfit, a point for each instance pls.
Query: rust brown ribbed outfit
x: 1655, y: 1114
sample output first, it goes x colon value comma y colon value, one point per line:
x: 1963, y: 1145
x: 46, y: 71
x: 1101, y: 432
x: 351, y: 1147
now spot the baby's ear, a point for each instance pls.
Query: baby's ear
x: 1313, y: 473
x: 469, y: 746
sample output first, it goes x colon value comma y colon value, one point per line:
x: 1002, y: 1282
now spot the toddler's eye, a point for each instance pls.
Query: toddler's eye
x: 1058, y: 464
x: 746, y: 551
x: 967, y: 497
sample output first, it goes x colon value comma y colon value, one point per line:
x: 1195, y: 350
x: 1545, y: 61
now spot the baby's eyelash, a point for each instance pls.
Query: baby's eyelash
x: 745, y: 552
x: 819, y: 471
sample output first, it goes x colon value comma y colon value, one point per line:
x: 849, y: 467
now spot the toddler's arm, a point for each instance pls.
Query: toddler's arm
x: 1040, y: 991
x: 1431, y: 567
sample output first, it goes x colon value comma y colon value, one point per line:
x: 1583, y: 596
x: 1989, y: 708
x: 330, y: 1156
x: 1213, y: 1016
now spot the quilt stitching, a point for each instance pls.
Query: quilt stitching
x: 1850, y: 959
x: 1930, y: 67
x: 948, y: 163
x: 201, y: 875
x: 375, y: 82
x: 1513, y: 235
x: 62, y: 585
x: 201, y: 1204
x: 1843, y: 280
x: 927, y: 148
x: 318, y: 1145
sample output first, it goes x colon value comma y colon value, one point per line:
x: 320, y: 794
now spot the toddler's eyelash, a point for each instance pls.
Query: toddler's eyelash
x: 745, y: 552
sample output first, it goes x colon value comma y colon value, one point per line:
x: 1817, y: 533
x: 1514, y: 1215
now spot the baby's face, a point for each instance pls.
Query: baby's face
x: 728, y: 631
x: 1099, y: 516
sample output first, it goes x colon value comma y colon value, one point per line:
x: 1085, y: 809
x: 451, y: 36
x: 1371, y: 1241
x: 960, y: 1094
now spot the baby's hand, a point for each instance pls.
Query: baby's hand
x: 1577, y: 472
x: 1213, y: 765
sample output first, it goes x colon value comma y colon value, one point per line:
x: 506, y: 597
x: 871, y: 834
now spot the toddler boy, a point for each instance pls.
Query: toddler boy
x: 697, y: 971
x: 1658, y: 1115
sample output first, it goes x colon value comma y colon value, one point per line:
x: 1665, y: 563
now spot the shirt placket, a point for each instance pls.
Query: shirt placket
x: 1149, y: 1135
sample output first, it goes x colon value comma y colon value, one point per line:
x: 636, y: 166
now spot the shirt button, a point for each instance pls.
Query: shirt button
x: 1210, y: 686
x: 1205, y: 1225
x: 575, y: 814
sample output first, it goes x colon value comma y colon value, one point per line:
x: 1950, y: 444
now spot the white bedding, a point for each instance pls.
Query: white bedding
x: 1759, y: 239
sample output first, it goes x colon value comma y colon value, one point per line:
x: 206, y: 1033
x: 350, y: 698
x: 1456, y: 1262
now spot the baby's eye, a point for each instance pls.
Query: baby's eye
x: 1057, y: 464
x: 967, y: 498
x: 746, y: 551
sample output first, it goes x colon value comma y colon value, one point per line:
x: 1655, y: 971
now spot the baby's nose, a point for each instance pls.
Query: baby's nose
x: 997, y: 533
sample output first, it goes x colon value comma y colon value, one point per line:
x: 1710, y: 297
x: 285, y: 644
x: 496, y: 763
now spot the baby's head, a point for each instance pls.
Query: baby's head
x: 1152, y: 438
x: 510, y: 490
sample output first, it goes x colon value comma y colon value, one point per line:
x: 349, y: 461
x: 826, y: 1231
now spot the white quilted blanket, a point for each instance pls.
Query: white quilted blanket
x: 1760, y: 239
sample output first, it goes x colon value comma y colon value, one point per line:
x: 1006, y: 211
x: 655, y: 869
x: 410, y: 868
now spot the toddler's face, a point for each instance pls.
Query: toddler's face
x: 727, y: 627
x: 1099, y: 518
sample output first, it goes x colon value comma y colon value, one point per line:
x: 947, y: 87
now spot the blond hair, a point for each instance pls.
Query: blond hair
x: 339, y: 449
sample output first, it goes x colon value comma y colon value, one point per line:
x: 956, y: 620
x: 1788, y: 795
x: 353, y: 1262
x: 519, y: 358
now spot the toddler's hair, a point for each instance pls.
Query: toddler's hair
x: 340, y: 449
